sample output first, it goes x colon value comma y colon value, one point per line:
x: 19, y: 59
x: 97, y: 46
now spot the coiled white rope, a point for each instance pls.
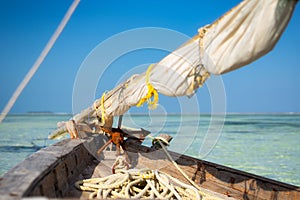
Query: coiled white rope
x: 138, y: 184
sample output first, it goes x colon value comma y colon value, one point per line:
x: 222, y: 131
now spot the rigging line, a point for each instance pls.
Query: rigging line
x: 39, y: 60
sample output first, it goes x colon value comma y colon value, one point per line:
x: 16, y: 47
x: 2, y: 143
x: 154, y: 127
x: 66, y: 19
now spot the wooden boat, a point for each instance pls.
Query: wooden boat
x: 217, y: 48
x: 51, y: 172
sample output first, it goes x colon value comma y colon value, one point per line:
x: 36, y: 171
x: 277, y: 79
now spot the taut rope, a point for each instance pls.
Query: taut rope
x: 144, y: 183
x: 39, y: 60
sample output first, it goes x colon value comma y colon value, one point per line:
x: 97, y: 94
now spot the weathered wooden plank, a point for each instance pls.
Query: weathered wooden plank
x: 52, y: 172
x: 62, y: 178
x: 222, y: 179
x: 44, y: 172
x: 21, y: 177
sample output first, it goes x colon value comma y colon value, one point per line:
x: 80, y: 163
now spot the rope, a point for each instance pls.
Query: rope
x: 205, y: 195
x: 138, y: 184
x: 120, y: 164
x: 144, y: 183
x: 103, y: 112
x: 39, y: 60
x: 152, y: 92
x: 102, y: 109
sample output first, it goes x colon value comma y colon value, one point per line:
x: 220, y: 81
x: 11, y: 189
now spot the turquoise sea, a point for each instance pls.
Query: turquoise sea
x: 263, y: 144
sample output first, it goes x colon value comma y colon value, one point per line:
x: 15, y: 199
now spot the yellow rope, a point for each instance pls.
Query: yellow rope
x: 152, y: 92
x: 102, y: 108
x: 201, y: 79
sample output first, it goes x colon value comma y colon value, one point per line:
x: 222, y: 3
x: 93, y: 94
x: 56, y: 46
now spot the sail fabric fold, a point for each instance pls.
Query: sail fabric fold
x: 244, y: 34
x: 178, y: 74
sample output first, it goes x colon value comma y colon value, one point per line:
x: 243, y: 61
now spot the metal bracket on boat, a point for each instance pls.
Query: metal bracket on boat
x: 163, y: 138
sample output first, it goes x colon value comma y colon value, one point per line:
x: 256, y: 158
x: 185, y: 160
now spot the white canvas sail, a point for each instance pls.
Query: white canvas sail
x: 244, y: 34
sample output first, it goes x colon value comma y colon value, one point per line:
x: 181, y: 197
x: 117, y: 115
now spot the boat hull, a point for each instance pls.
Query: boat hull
x: 52, y: 172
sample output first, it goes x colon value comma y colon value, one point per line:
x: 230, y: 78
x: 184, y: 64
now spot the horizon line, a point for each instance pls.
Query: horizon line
x: 171, y: 113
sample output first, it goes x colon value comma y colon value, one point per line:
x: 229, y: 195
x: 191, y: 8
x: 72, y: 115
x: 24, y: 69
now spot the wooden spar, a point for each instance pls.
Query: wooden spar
x: 89, y: 112
x: 58, y: 133
x: 224, y: 45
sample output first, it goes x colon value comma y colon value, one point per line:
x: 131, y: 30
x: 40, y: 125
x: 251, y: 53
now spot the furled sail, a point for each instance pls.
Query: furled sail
x: 244, y: 34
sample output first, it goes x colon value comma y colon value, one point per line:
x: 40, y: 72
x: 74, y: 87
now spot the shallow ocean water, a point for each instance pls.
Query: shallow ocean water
x: 263, y: 144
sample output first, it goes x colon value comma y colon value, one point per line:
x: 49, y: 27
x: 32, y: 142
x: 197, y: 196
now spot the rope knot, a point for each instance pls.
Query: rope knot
x: 152, y: 92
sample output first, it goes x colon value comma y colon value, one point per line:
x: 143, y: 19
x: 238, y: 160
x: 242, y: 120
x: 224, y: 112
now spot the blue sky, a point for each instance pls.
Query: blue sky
x: 271, y: 84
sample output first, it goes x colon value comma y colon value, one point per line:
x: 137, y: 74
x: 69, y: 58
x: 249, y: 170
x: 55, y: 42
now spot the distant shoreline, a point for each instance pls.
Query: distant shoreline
x: 170, y: 114
x: 39, y: 112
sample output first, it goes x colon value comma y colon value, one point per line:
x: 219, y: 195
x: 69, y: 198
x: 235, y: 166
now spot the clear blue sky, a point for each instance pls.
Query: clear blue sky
x: 271, y: 84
